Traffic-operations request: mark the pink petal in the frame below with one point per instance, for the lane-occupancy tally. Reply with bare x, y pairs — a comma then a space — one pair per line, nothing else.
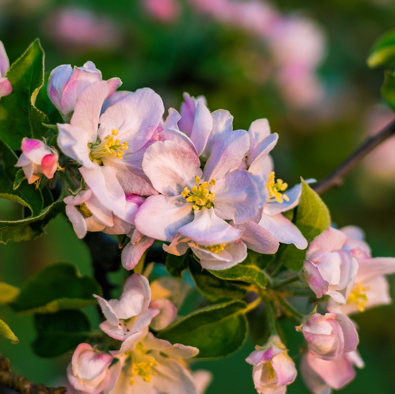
284, 369
49, 165
202, 126
139, 283
169, 214
57, 81
133, 252
328, 241
168, 312
178, 246
171, 167
5, 87
208, 229
315, 280
312, 380
77, 220
4, 62
369, 268
351, 339
259, 156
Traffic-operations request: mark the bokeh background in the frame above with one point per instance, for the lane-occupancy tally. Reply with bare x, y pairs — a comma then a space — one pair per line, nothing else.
301, 64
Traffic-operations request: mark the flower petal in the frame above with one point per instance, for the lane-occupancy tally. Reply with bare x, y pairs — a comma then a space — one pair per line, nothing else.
132, 252
284, 368
369, 268
49, 165
169, 213
283, 230
260, 154
5, 87
351, 339
208, 229
4, 62
77, 220
202, 126
328, 241
168, 312
171, 167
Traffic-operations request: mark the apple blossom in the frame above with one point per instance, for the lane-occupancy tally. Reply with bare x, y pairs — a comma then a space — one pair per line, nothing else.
321, 376
133, 119
88, 371
37, 159
370, 285
5, 84
329, 269
131, 313
329, 335
162, 10
275, 199
148, 365
185, 189
273, 369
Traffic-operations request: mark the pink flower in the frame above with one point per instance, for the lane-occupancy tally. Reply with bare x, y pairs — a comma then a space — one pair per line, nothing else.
150, 365
329, 269
329, 335
66, 85
275, 198
87, 213
88, 371
320, 376
131, 313
273, 369
37, 160
370, 285
111, 154
163, 10
5, 84
174, 171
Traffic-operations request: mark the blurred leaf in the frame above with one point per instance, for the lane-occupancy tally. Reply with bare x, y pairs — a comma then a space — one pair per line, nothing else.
30, 228
19, 177
383, 50
176, 264
312, 218
25, 195
388, 89
58, 333
8, 293
18, 116
211, 287
58, 286
248, 271
6, 331
216, 331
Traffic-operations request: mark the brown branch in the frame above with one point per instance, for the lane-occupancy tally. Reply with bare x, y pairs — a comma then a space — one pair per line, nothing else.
335, 179
21, 384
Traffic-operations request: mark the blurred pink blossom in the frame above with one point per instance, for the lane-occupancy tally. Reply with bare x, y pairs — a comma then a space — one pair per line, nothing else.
162, 10
81, 29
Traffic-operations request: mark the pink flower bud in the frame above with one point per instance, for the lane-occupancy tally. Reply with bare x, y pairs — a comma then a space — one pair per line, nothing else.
88, 371
5, 84
163, 10
328, 268
273, 369
329, 335
37, 159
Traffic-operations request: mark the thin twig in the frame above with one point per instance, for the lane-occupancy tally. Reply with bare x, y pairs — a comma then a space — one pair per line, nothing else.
336, 178
21, 384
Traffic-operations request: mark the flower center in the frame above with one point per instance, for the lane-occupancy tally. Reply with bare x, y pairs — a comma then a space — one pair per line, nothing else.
270, 369
358, 298
107, 148
216, 248
276, 189
200, 196
142, 364
86, 213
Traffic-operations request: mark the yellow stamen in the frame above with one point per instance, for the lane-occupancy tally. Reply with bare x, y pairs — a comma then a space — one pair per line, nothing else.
142, 364
270, 368
216, 248
357, 297
200, 195
107, 148
86, 213
276, 189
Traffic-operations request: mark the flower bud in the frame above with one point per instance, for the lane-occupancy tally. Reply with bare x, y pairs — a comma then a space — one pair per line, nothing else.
5, 84
37, 159
329, 335
272, 367
329, 269
88, 371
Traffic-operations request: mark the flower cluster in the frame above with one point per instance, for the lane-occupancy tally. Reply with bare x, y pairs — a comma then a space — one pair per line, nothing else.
143, 363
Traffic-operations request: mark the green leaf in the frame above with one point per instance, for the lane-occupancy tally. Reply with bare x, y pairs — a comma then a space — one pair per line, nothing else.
248, 271
312, 218
6, 331
30, 228
58, 333
25, 195
211, 287
176, 264
216, 331
19, 177
383, 50
8, 293
18, 116
388, 89
58, 286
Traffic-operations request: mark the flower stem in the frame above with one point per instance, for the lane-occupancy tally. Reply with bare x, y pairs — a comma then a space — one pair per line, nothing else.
271, 318
285, 282
289, 309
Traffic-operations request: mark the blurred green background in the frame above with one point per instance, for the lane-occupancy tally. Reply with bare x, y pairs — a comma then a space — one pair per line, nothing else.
236, 70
